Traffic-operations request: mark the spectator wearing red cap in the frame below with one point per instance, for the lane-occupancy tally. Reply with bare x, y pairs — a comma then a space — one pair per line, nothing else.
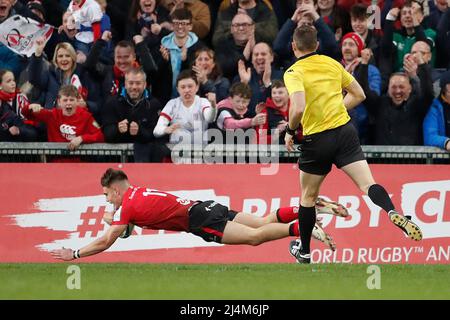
356, 61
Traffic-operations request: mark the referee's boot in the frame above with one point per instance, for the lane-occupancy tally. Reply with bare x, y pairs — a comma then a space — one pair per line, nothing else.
411, 229
295, 249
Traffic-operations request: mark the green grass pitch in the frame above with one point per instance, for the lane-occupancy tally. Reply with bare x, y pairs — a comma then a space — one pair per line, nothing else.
232, 281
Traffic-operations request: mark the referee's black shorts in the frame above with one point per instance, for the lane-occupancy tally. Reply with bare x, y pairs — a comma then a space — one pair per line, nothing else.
319, 151
208, 220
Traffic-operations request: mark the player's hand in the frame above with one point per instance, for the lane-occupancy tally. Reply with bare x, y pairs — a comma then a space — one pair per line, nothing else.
289, 142
123, 126
108, 217
134, 128
35, 107
62, 254
75, 143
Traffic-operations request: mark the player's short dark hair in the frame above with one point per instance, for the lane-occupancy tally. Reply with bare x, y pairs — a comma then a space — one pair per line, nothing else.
110, 176
181, 14
359, 11
241, 89
187, 74
305, 38
68, 90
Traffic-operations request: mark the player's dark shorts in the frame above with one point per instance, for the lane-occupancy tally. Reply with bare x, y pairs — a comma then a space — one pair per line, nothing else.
319, 151
208, 220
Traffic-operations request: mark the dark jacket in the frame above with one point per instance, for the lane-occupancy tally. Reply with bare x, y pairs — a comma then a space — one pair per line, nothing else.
443, 41
266, 25
153, 41
104, 73
401, 125
220, 87
145, 113
8, 119
228, 53
327, 41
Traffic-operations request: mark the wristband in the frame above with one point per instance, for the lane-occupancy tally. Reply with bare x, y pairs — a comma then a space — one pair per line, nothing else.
290, 131
76, 254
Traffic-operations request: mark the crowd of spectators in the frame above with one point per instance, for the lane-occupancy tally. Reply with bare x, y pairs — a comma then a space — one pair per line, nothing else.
152, 72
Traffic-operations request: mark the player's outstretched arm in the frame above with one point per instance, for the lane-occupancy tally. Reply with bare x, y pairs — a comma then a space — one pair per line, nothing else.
97, 246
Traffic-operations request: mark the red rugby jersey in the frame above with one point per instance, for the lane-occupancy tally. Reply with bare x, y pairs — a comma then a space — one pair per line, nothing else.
153, 209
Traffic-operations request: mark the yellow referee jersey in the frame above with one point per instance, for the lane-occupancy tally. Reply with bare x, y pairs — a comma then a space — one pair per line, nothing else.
322, 79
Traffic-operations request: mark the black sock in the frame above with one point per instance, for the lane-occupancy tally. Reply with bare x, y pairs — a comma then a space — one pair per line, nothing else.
380, 197
291, 230
307, 220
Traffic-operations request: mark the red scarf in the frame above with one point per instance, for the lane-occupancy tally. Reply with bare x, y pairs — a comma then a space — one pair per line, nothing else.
118, 77
5, 96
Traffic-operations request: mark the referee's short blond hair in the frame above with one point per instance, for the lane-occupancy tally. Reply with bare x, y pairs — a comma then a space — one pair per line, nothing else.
305, 38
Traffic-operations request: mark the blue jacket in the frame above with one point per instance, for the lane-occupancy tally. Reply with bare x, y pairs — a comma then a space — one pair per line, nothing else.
360, 115
434, 126
11, 61
175, 55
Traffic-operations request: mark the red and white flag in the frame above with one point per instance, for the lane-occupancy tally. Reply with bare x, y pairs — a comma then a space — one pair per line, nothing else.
20, 33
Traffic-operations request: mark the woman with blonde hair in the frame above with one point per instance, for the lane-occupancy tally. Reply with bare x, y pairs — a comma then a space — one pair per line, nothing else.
63, 70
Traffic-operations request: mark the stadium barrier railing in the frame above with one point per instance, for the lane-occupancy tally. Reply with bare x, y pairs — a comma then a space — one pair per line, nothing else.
106, 152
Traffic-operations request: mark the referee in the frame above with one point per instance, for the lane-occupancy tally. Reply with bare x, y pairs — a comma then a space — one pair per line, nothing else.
315, 84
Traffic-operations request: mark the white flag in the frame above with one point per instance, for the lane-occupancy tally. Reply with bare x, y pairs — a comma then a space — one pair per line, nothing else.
20, 33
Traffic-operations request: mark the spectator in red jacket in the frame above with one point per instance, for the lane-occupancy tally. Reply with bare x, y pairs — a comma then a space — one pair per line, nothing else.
68, 122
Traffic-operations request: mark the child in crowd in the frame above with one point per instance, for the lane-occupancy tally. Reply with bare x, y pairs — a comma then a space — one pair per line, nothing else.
13, 126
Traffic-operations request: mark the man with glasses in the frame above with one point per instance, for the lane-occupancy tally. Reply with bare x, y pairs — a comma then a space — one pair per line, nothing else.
266, 26
201, 15
178, 48
238, 45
